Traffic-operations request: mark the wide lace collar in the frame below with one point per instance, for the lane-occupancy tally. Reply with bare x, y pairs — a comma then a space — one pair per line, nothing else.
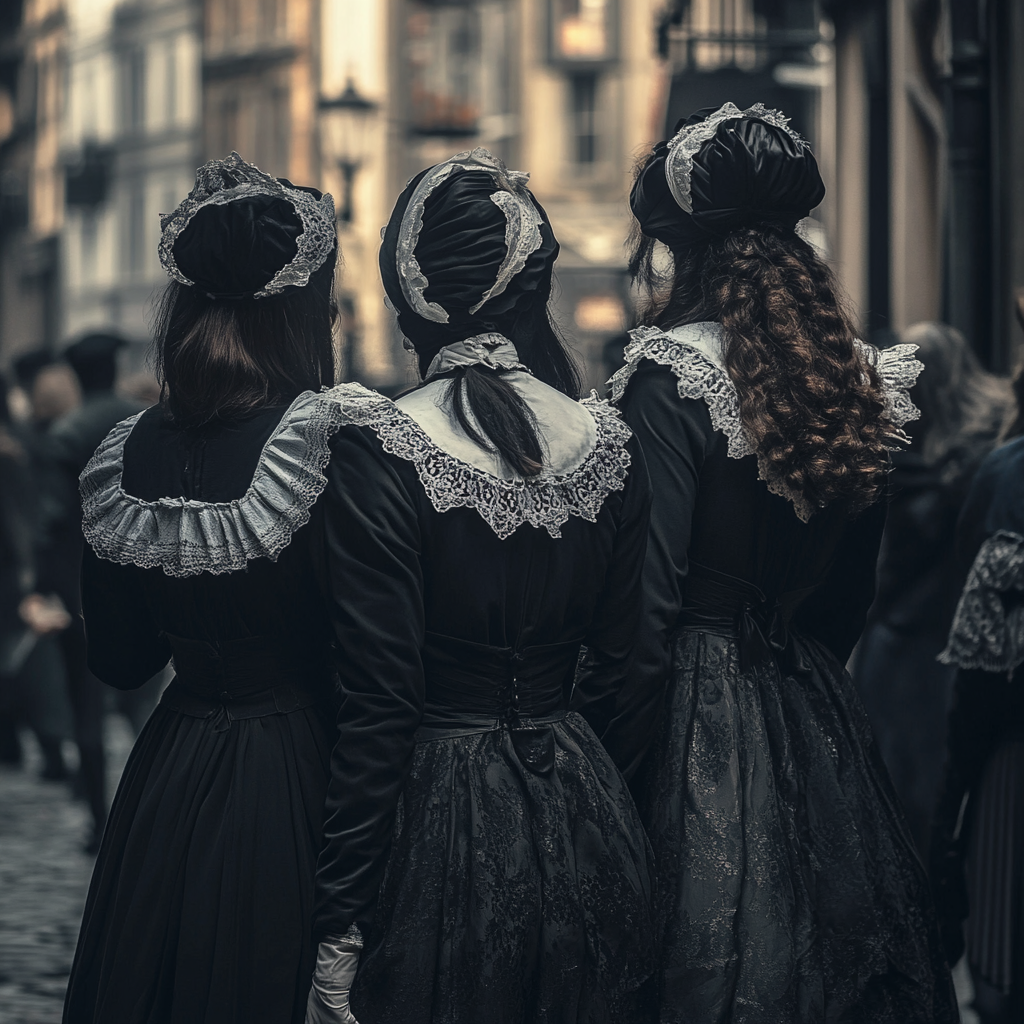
506, 501
695, 353
185, 537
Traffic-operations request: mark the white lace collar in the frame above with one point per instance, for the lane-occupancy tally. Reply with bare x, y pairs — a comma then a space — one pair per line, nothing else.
695, 353
573, 487
185, 537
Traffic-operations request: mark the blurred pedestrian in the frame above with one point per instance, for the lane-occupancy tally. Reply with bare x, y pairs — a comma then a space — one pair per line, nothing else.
70, 442
487, 526
31, 670
788, 885
977, 849
204, 524
906, 691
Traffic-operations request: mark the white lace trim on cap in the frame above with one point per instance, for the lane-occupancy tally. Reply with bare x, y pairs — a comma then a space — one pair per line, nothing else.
522, 229
506, 504
988, 630
695, 353
220, 182
686, 144
185, 537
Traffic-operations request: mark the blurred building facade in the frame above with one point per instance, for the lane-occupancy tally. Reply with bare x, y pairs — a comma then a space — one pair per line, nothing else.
33, 48
131, 143
107, 107
567, 89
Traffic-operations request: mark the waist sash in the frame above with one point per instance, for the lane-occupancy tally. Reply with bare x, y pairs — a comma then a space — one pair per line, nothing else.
249, 678
476, 688
715, 602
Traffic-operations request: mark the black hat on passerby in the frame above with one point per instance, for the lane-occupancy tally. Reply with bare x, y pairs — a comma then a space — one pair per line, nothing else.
94, 360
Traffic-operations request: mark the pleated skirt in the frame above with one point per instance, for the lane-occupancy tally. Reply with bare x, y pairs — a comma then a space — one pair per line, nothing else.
200, 902
789, 889
995, 872
512, 897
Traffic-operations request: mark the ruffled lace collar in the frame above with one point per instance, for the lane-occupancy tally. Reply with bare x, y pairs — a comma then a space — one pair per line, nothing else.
506, 503
695, 353
185, 537
988, 627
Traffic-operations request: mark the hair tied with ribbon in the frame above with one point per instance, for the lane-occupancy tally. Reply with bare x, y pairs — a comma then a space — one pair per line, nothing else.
492, 350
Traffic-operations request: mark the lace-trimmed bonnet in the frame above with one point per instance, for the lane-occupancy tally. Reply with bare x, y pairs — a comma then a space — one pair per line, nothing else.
242, 234
466, 244
724, 169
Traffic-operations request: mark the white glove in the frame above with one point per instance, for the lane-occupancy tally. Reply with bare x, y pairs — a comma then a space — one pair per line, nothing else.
336, 963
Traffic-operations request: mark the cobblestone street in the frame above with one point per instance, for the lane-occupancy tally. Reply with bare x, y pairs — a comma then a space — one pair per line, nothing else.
44, 875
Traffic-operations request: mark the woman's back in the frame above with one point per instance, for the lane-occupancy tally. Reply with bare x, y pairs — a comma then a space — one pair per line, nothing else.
216, 495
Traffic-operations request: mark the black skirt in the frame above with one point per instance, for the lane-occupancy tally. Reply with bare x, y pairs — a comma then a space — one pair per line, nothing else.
512, 896
789, 888
199, 907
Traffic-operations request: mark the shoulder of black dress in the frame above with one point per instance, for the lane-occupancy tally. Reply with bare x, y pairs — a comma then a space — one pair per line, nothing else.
184, 537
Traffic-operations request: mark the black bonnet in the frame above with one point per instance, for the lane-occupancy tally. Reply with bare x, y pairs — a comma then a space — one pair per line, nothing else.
748, 168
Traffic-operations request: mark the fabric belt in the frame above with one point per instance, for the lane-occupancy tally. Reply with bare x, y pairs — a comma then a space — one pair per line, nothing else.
715, 602
476, 688
231, 680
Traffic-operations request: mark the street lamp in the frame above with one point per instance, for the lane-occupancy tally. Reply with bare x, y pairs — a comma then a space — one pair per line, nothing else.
350, 135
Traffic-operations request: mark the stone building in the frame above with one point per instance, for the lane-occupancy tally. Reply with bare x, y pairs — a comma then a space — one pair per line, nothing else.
131, 143
33, 51
566, 89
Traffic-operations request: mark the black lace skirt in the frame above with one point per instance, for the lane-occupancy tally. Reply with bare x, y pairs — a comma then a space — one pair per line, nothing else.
200, 904
512, 897
789, 891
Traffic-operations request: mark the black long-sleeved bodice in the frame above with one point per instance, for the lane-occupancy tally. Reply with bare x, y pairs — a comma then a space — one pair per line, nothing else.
131, 611
788, 888
207, 545
503, 833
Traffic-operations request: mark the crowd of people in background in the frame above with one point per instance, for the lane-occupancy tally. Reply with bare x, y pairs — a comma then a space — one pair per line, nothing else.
948, 727
52, 416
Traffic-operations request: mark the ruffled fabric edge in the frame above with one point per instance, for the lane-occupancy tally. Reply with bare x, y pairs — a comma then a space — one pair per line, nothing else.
988, 630
546, 501
693, 354
184, 537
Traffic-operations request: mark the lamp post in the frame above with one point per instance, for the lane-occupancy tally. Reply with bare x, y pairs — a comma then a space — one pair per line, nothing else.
349, 129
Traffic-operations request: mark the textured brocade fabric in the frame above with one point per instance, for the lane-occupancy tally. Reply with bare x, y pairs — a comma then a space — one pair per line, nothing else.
497, 875
788, 888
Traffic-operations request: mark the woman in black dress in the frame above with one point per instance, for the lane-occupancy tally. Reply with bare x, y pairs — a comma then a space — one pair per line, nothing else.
487, 526
788, 886
977, 864
905, 689
204, 527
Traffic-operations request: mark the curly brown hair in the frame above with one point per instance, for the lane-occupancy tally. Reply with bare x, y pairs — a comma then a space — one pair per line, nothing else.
812, 405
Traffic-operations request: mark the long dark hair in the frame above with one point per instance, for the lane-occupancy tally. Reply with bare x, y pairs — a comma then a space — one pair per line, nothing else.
218, 358
482, 399
813, 407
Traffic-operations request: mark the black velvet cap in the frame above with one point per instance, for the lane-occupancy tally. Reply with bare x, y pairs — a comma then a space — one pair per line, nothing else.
748, 172
460, 250
233, 250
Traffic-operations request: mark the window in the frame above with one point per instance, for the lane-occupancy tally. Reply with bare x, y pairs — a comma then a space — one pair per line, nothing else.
135, 90
134, 253
584, 118
171, 81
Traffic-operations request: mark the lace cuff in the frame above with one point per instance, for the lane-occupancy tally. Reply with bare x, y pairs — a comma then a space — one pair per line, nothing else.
988, 628
546, 501
185, 538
